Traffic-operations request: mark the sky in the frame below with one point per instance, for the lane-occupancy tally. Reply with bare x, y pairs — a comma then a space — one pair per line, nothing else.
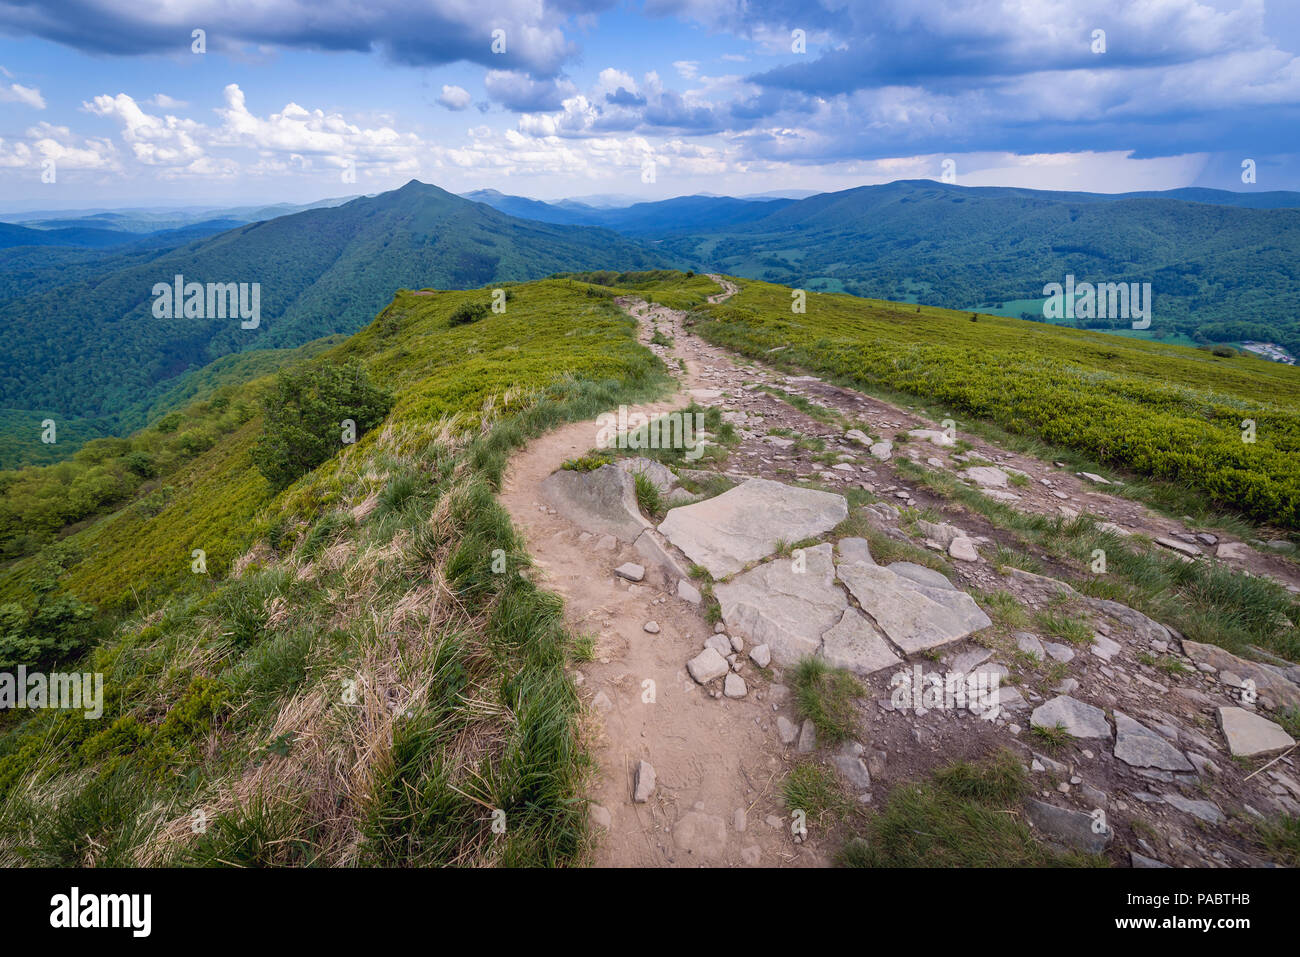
110, 104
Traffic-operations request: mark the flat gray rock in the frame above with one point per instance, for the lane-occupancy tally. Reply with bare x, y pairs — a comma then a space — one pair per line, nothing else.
933, 436
631, 571
786, 730
1251, 736
986, 476
1267, 682
786, 610
602, 501
921, 575
1007, 698
1058, 651
707, 665
1079, 719
1204, 810
734, 686
1239, 551
914, 617
1051, 586
1030, 644
1181, 547
848, 761
1103, 647
856, 644
1069, 828
967, 661
1141, 860
964, 550
1147, 629
745, 524
1140, 747
656, 472
643, 784
719, 643
854, 550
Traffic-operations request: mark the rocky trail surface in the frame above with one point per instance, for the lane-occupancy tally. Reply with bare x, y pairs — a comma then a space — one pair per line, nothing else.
1172, 752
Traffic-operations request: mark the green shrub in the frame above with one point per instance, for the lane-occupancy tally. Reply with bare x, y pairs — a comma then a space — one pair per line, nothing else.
141, 463
304, 414
468, 312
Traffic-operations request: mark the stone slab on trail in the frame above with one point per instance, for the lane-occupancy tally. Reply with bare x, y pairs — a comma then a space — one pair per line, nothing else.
659, 474
1267, 680
785, 609
986, 476
602, 501
856, 644
1079, 719
915, 617
1067, 827
1252, 736
745, 524
1140, 747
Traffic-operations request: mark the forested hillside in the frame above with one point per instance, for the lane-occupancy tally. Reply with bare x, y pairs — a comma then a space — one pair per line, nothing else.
80, 343
1219, 272
92, 348
650, 219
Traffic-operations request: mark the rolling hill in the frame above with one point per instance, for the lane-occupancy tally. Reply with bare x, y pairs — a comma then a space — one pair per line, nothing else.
375, 568
1219, 271
92, 348
13, 235
664, 217
81, 345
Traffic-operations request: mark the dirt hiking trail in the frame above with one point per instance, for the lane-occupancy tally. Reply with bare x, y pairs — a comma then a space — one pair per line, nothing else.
719, 762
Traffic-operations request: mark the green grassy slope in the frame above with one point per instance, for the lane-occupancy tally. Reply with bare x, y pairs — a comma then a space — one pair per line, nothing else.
1166, 412
350, 682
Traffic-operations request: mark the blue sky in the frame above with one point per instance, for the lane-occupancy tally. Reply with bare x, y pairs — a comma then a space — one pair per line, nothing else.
295, 100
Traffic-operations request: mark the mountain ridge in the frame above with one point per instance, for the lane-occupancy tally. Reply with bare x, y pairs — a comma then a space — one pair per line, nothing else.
321, 271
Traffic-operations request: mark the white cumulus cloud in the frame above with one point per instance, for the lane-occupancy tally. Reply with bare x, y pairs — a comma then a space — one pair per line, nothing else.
455, 97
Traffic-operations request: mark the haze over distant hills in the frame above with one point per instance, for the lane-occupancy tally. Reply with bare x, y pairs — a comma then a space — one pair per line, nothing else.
638, 219
143, 219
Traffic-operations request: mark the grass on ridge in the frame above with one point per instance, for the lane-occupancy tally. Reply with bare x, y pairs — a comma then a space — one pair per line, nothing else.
826, 695
369, 684
965, 815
